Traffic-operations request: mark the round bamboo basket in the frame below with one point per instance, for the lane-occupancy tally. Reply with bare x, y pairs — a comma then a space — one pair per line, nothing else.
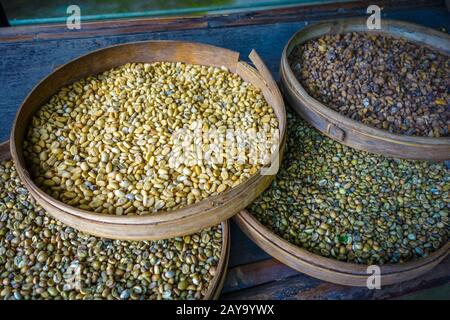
351, 132
216, 285
161, 225
331, 270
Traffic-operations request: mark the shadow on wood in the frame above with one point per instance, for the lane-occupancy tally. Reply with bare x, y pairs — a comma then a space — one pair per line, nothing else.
265, 285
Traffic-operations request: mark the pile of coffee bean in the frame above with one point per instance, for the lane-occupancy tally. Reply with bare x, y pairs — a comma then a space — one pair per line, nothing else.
352, 205
41, 258
105, 143
378, 80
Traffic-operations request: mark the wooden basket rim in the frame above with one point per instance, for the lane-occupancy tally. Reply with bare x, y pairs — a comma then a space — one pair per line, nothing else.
185, 213
328, 264
299, 91
215, 287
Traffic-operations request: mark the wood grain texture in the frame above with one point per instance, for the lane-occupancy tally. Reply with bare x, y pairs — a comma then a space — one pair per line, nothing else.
243, 250
255, 274
303, 287
162, 225
328, 269
351, 132
153, 24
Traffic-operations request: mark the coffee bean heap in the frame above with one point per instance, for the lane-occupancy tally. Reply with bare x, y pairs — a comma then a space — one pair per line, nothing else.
378, 80
355, 206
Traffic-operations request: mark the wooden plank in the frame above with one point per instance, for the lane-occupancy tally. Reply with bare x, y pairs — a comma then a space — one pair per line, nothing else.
98, 29
303, 287
243, 250
255, 274
132, 26
436, 293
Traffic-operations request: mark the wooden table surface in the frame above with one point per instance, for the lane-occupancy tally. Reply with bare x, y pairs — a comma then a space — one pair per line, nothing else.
30, 53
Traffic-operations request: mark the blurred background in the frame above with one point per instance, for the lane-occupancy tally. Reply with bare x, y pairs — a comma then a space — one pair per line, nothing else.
26, 12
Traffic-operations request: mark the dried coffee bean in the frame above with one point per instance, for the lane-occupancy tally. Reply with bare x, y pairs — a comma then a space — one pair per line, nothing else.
381, 81
355, 206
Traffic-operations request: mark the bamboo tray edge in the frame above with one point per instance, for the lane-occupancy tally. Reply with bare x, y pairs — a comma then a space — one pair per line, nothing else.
351, 132
328, 269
